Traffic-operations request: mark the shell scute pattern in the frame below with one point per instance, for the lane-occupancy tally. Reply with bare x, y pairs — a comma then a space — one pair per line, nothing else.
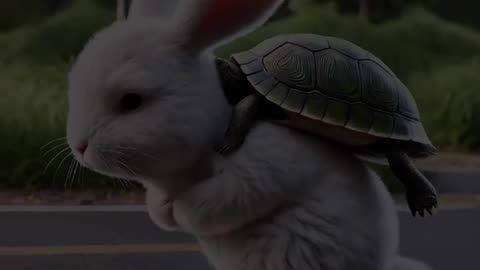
348, 48
334, 81
278, 94
292, 65
337, 75
379, 88
315, 106
382, 125
356, 52
295, 100
336, 113
361, 118
407, 105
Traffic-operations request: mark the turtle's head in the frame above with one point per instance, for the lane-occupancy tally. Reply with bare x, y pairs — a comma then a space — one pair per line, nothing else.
144, 96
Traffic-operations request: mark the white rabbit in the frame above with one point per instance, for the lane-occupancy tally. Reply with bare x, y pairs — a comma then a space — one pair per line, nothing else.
145, 103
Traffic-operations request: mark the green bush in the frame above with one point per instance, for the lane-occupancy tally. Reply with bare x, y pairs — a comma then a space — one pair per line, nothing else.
21, 12
284, 11
59, 38
460, 11
449, 100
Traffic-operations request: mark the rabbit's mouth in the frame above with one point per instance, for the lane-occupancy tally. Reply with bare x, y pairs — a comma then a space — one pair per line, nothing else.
108, 161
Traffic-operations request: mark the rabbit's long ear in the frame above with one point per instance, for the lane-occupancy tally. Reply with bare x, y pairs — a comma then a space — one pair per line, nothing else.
158, 9
206, 23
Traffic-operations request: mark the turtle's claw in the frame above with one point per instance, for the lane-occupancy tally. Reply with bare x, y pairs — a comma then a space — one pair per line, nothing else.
223, 149
420, 202
230, 144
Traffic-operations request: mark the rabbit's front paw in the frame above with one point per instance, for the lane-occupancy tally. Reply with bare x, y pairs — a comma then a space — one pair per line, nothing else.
160, 210
187, 216
162, 216
197, 216
206, 209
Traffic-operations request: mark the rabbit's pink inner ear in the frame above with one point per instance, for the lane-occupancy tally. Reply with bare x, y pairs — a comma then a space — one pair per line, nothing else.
222, 19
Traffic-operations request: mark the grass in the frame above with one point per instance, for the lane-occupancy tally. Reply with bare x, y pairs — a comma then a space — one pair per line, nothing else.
432, 56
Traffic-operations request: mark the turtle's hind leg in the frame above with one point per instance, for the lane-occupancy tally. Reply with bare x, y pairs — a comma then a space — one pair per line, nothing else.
244, 115
421, 194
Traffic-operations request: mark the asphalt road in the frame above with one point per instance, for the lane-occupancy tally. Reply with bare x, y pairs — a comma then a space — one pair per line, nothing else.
129, 241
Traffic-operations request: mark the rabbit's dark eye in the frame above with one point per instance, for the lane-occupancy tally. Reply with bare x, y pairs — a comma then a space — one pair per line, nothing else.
131, 102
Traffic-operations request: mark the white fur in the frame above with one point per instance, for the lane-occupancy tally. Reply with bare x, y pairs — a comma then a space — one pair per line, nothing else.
288, 201
283, 201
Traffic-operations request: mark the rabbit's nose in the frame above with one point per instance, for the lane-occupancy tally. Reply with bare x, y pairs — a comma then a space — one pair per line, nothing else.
82, 148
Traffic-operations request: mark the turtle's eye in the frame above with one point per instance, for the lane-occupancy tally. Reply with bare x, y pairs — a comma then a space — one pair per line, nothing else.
131, 102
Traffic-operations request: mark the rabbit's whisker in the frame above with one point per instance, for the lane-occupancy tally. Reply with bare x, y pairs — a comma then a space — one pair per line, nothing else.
63, 144
137, 152
54, 141
69, 172
75, 172
55, 157
106, 164
120, 161
60, 165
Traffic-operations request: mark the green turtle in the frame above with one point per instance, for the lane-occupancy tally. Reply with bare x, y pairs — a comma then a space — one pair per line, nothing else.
330, 87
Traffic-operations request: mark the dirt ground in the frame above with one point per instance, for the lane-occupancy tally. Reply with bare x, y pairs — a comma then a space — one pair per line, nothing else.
91, 197
447, 160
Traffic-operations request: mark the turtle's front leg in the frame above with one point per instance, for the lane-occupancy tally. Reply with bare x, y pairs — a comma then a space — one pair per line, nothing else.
245, 113
421, 194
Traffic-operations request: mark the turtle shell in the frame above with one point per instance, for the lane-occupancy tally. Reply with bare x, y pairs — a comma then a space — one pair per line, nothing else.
336, 82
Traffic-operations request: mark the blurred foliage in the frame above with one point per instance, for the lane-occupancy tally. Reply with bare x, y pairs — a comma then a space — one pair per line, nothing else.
21, 12
284, 11
461, 11
60, 37
450, 102
24, 12
379, 10
433, 57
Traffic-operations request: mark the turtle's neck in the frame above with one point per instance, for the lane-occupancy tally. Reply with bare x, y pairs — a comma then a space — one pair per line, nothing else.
233, 81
